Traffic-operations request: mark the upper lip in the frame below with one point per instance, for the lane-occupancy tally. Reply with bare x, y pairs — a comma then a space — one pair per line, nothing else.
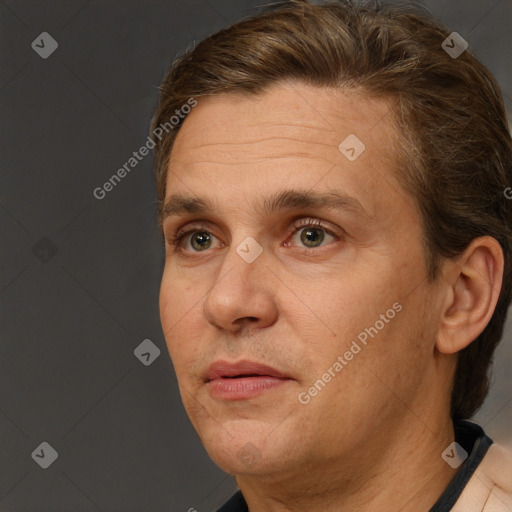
222, 368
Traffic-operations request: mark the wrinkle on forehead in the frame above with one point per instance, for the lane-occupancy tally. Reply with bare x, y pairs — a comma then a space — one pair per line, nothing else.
257, 151
278, 124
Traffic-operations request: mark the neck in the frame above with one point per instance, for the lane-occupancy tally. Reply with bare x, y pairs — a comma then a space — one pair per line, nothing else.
400, 469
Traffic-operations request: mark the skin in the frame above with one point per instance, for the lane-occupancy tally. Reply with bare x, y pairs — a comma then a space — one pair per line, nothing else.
372, 438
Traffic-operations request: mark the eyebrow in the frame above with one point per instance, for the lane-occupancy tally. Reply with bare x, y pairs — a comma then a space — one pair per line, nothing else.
179, 205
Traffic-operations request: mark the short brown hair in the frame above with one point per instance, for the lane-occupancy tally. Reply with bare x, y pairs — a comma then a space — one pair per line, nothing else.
456, 153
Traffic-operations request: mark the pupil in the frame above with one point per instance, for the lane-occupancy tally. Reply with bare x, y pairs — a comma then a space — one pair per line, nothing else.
312, 235
200, 237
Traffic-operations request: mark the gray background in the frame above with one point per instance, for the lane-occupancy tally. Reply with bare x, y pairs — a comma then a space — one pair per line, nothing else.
80, 276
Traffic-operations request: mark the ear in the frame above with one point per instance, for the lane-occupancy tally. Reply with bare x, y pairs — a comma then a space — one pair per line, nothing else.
472, 284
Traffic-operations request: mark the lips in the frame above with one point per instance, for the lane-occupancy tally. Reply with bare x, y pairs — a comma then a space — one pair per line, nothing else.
243, 380
245, 368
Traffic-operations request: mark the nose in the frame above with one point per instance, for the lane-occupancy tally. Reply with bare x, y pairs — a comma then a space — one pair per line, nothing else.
242, 296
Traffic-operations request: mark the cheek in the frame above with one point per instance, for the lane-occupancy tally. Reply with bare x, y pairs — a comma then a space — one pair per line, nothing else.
352, 308
178, 298
169, 305
394, 361
172, 315
351, 303
182, 321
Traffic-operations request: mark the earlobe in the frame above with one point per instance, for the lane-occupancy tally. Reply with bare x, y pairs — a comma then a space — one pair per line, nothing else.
472, 284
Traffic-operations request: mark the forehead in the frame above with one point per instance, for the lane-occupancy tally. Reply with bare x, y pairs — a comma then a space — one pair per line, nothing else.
287, 114
293, 134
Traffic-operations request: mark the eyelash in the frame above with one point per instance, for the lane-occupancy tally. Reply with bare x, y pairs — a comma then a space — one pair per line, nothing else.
176, 239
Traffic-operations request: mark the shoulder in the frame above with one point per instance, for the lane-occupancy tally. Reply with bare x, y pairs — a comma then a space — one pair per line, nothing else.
490, 487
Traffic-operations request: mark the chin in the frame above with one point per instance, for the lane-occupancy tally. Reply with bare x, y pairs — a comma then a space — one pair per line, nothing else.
243, 448
248, 460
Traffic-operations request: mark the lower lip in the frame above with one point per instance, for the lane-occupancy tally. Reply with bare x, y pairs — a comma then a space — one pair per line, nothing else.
243, 387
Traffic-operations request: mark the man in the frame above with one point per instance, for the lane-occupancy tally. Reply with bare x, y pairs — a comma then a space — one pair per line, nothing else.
338, 258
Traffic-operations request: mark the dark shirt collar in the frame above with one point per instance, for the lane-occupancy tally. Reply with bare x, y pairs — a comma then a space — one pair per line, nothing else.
469, 435
476, 443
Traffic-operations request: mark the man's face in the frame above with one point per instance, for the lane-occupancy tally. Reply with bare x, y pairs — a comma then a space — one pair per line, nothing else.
326, 281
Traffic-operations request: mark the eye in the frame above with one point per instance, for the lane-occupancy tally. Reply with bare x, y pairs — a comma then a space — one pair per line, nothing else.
199, 240
311, 233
